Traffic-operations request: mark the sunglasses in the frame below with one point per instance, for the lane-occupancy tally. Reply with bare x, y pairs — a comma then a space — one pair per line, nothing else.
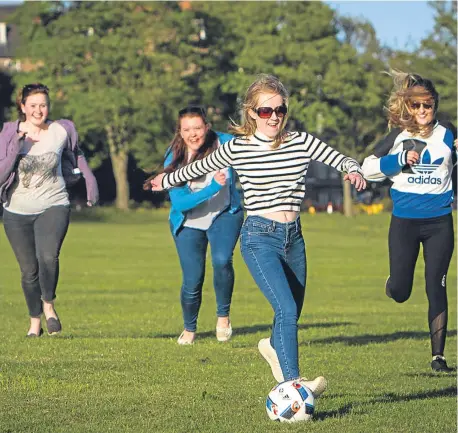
417, 105
40, 87
266, 112
192, 109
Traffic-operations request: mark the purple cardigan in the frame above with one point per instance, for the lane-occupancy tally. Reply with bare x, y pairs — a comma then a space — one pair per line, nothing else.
10, 146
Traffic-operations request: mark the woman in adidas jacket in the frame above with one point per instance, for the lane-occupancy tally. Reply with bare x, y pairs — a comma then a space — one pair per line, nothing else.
418, 156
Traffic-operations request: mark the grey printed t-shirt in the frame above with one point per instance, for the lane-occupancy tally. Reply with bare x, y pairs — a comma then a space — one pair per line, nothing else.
39, 183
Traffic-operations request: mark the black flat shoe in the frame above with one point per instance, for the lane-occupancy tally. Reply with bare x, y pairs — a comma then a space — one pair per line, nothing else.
35, 335
54, 326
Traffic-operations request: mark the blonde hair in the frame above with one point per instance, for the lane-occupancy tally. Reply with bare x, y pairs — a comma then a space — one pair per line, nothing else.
263, 84
407, 87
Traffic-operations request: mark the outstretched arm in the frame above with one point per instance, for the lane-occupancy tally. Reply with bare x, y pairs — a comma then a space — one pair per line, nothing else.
217, 160
183, 199
320, 151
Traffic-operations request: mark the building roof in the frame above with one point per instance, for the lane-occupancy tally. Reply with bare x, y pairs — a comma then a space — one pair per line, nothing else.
12, 32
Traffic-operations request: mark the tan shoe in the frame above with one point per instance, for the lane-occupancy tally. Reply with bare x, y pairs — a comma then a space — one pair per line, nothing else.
224, 334
269, 354
183, 342
317, 386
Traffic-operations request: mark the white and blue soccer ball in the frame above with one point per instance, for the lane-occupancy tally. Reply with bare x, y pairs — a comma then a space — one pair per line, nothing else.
290, 401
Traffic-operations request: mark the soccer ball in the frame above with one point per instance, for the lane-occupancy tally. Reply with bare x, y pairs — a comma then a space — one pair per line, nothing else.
290, 401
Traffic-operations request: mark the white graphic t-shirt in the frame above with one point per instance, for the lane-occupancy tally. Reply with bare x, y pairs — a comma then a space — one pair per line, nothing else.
39, 183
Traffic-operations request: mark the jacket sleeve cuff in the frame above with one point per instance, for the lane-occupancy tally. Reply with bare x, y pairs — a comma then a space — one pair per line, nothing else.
402, 158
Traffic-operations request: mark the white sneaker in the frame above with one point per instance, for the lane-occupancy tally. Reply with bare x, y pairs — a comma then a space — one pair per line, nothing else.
224, 334
317, 386
269, 354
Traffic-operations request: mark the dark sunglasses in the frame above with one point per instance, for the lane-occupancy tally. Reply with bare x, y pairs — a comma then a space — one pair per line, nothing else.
29, 87
266, 112
192, 109
417, 105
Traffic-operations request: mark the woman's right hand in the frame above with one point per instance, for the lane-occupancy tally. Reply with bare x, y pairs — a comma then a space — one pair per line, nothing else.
220, 177
412, 157
156, 182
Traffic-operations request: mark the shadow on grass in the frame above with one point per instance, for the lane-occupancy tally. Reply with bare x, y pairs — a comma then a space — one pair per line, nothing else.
344, 410
244, 330
394, 398
361, 340
387, 398
437, 375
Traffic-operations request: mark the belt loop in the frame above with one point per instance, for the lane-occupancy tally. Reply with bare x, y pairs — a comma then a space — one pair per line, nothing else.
297, 224
273, 226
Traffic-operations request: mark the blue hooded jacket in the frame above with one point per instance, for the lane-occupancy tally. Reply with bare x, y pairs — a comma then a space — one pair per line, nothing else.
184, 199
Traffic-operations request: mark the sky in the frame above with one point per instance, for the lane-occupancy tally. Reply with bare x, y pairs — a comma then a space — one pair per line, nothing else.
398, 24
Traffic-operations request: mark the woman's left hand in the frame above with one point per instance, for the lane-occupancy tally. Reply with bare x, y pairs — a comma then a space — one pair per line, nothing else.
357, 180
156, 183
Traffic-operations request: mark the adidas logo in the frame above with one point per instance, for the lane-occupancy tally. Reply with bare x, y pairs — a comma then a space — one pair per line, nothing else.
425, 166
425, 180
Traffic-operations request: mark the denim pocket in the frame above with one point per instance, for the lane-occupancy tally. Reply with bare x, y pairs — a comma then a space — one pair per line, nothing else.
258, 228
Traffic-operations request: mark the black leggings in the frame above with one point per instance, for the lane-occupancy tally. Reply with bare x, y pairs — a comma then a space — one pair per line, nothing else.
436, 235
36, 241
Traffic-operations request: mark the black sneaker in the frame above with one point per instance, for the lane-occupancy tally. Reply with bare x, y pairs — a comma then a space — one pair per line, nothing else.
387, 289
440, 365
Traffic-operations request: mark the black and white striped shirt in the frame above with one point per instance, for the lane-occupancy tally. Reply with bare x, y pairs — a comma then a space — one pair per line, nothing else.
272, 179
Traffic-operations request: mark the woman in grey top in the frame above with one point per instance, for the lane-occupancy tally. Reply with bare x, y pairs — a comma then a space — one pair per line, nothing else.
39, 159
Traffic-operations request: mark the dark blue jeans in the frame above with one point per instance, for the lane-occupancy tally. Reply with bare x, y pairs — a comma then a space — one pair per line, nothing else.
275, 255
36, 241
191, 246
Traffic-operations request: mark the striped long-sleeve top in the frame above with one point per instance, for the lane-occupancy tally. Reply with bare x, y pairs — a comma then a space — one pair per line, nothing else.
272, 179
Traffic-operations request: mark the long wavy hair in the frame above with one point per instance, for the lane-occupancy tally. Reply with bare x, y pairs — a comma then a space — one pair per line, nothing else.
178, 148
263, 84
408, 87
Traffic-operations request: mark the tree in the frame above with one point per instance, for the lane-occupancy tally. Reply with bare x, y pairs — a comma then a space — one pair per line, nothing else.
436, 58
337, 89
116, 69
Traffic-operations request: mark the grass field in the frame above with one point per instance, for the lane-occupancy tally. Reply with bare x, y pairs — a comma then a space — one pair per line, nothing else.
117, 367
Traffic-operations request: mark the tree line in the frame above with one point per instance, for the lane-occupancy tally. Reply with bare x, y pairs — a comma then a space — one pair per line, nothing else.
122, 70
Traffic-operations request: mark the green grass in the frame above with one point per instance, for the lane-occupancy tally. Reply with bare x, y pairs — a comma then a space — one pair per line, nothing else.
117, 367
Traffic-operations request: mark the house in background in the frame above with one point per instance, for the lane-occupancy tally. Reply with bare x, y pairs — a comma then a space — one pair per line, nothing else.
9, 40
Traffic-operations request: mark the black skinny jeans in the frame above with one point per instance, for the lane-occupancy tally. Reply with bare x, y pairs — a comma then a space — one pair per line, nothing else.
36, 241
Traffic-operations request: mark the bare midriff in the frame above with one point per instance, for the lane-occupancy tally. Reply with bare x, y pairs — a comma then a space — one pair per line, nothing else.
282, 216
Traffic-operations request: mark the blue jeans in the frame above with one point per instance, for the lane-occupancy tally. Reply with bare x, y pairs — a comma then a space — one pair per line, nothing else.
191, 246
275, 255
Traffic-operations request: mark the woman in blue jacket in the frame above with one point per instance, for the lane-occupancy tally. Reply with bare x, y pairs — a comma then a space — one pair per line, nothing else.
205, 210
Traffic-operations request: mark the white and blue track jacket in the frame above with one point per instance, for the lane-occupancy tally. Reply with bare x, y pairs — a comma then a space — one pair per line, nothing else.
423, 190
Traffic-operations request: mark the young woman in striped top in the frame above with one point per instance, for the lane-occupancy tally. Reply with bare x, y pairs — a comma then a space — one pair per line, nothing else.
271, 164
